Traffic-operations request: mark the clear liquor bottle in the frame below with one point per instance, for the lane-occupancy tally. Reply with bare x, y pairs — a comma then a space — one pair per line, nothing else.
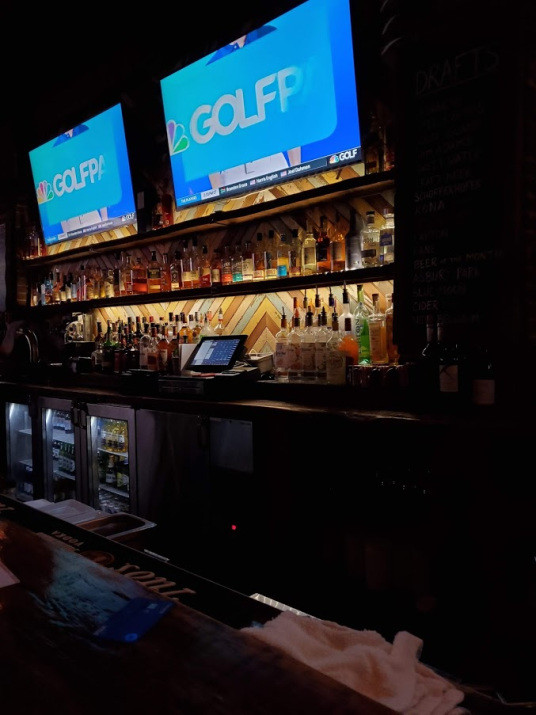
321, 339
236, 262
282, 256
307, 348
378, 337
345, 311
260, 264
294, 350
194, 260
248, 262
308, 259
370, 242
387, 240
335, 358
271, 255
226, 267
220, 328
145, 342
361, 327
187, 278
323, 248
281, 354
294, 254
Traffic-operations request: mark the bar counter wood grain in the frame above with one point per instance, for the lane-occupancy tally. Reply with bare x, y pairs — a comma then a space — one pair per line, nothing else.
188, 663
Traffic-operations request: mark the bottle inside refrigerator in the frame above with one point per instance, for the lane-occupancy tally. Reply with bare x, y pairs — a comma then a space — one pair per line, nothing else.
110, 463
19, 481
60, 455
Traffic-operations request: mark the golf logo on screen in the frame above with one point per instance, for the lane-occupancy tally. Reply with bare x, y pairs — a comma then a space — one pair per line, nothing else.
229, 111
72, 179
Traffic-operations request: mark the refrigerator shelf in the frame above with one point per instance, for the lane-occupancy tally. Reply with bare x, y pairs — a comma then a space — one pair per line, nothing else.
58, 474
114, 490
62, 437
111, 451
26, 462
24, 431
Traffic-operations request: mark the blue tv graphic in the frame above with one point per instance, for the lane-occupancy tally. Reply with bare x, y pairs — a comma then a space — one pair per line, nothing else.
82, 179
280, 100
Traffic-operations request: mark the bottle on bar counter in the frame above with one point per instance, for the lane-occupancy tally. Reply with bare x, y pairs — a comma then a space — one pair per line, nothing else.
361, 327
248, 262
260, 259
294, 350
205, 269
335, 357
176, 271
226, 266
308, 258
139, 276
281, 353
370, 242
387, 239
165, 277
154, 274
307, 348
236, 262
282, 256
215, 268
338, 247
294, 254
271, 255
353, 242
378, 337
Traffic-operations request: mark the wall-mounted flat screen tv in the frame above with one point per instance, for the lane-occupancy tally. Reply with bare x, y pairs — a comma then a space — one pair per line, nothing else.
82, 179
277, 103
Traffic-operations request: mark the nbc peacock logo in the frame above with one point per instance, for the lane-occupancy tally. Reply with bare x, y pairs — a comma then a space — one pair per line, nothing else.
177, 139
44, 192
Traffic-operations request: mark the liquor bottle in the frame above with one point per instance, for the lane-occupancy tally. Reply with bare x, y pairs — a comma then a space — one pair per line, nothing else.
361, 327
353, 242
206, 328
145, 342
294, 254
153, 352
308, 259
373, 145
108, 348
35, 293
163, 351
220, 328
307, 348
281, 350
195, 260
226, 267
271, 255
452, 368
139, 276
97, 354
392, 349
348, 344
127, 287
345, 311
482, 376
236, 263
248, 262
318, 304
119, 357
294, 350
63, 289
187, 278
282, 256
260, 256
387, 239
370, 242
193, 329
205, 269
215, 268
154, 274
378, 338
175, 271
322, 336
323, 248
56, 288
118, 264
165, 278
132, 355
335, 358
338, 247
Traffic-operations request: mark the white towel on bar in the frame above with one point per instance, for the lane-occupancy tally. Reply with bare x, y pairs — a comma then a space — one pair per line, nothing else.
364, 661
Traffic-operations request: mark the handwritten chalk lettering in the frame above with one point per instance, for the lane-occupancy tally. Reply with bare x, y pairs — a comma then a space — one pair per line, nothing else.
425, 250
452, 71
432, 234
465, 272
424, 291
463, 187
421, 263
456, 289
431, 276
425, 305
429, 208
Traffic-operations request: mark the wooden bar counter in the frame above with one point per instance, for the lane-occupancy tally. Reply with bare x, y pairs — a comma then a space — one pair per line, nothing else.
51, 661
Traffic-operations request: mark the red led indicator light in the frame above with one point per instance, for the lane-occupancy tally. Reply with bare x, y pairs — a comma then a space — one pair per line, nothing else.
233, 527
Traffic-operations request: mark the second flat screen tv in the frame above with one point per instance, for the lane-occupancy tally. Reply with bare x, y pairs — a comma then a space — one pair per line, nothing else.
82, 179
276, 104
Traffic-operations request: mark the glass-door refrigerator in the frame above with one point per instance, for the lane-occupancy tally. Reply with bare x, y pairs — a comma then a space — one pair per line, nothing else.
111, 457
63, 476
20, 469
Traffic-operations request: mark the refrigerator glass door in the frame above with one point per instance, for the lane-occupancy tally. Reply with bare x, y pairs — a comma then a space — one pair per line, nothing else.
20, 479
110, 460
60, 457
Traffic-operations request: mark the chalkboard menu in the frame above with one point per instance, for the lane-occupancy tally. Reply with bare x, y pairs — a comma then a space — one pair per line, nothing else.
453, 185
